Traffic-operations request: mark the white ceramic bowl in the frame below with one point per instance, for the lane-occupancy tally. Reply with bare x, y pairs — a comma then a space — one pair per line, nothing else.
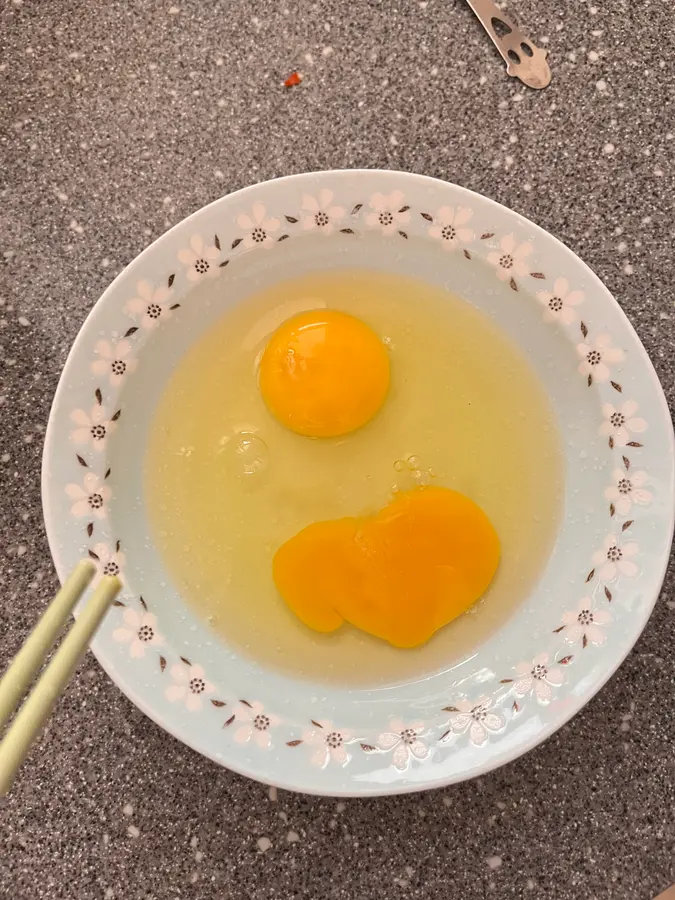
568, 635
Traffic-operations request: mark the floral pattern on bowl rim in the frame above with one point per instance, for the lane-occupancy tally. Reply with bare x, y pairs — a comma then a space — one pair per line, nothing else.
550, 677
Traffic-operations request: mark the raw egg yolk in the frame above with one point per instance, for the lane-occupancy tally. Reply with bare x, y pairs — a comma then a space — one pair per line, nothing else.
400, 574
324, 373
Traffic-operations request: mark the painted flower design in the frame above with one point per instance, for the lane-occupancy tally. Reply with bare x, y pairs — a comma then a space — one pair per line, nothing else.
585, 624
477, 719
509, 260
449, 226
388, 212
320, 213
626, 489
537, 676
113, 361
404, 741
259, 227
621, 423
90, 498
560, 303
255, 724
189, 686
614, 559
140, 631
150, 306
108, 561
598, 356
92, 428
200, 259
330, 744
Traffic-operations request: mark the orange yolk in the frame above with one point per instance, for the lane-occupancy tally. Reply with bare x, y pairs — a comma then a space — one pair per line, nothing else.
324, 373
400, 574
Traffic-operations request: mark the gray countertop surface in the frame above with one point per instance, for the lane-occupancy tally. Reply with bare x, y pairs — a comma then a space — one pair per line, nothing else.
119, 118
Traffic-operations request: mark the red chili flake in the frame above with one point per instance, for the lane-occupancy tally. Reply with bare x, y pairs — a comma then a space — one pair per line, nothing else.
293, 80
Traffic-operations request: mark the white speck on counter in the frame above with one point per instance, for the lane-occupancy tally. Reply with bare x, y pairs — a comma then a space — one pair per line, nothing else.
23, 321
622, 246
109, 893
194, 840
530, 884
601, 85
199, 856
174, 10
292, 837
327, 51
494, 862
593, 56
628, 269
273, 793
341, 807
194, 876
658, 171
133, 831
608, 149
264, 844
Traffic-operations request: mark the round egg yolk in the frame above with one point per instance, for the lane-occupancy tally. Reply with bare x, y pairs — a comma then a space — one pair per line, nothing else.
400, 574
324, 373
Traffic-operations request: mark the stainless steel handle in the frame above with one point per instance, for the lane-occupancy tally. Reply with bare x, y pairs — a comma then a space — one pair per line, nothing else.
524, 60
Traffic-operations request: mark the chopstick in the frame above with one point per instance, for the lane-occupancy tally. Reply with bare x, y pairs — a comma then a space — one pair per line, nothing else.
37, 707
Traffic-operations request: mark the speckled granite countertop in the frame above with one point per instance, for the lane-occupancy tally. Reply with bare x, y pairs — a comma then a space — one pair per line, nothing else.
120, 118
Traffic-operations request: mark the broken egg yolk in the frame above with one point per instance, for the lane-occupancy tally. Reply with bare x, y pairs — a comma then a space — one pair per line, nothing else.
324, 373
400, 574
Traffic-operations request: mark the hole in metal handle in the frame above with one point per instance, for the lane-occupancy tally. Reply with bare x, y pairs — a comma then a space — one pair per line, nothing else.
501, 29
527, 50
513, 56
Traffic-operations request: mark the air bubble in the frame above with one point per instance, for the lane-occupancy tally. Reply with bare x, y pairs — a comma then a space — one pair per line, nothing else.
246, 453
399, 465
414, 462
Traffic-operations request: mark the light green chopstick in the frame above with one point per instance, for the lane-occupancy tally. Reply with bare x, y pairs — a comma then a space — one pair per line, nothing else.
37, 707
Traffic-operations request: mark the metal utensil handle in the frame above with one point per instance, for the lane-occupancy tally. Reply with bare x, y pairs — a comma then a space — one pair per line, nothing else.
524, 60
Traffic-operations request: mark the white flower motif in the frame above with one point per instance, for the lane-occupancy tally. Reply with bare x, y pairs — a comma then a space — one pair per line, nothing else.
320, 213
620, 424
614, 560
560, 302
448, 227
627, 489
539, 676
388, 212
150, 305
90, 497
476, 717
585, 623
404, 741
330, 744
200, 260
141, 631
256, 724
189, 685
259, 227
510, 258
93, 428
113, 360
598, 356
108, 561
